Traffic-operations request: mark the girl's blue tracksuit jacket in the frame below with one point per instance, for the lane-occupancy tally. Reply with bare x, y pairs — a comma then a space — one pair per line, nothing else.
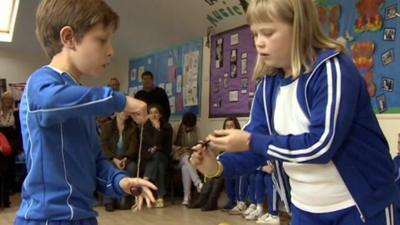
343, 129
63, 156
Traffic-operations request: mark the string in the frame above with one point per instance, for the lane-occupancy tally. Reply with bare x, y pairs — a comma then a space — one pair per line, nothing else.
135, 207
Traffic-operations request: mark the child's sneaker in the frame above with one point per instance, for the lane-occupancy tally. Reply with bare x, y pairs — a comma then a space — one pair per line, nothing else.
160, 203
268, 219
238, 209
185, 201
255, 214
249, 209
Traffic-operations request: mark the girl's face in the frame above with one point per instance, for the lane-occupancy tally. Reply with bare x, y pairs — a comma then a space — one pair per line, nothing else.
154, 114
229, 124
273, 42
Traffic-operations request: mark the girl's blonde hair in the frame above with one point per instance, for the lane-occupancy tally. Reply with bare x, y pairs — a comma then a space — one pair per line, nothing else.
307, 34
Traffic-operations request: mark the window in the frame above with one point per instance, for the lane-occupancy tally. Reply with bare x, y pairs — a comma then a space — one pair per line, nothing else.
8, 13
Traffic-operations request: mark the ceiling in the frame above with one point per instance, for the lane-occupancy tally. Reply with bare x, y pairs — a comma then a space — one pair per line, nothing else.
145, 25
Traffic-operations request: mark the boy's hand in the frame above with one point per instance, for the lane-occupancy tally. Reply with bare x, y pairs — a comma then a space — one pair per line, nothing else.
127, 183
137, 109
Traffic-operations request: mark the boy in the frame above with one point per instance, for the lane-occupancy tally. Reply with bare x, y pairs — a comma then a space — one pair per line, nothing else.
64, 160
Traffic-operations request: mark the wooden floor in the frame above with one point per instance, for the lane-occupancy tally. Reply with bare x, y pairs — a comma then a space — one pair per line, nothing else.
170, 215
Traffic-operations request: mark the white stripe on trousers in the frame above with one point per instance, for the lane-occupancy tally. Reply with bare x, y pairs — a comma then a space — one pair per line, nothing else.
389, 214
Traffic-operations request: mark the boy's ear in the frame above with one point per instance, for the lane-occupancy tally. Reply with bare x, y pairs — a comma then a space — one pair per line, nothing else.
67, 37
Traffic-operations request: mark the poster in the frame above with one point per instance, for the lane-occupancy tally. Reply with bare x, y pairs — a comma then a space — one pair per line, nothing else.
190, 76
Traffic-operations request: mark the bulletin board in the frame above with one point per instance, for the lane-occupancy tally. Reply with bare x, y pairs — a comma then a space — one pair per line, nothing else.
370, 29
233, 57
177, 70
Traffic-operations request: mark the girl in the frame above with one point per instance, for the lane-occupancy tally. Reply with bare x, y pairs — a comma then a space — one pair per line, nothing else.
312, 112
236, 188
157, 144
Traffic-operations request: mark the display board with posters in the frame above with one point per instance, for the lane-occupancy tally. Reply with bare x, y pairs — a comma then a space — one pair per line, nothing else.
233, 56
177, 70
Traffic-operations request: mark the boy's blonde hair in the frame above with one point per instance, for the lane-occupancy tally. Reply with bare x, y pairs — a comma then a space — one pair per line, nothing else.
80, 15
307, 34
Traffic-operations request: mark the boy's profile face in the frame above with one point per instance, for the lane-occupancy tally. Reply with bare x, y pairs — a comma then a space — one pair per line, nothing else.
92, 54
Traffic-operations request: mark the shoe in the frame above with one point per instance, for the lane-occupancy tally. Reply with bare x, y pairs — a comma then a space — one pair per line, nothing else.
268, 219
217, 186
210, 205
201, 199
249, 209
198, 202
238, 209
199, 187
228, 207
124, 203
185, 201
255, 214
160, 203
110, 207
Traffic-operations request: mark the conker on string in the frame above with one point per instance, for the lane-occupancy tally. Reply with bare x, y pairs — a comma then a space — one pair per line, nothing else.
136, 191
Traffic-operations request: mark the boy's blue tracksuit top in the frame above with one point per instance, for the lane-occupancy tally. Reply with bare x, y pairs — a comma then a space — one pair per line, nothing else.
63, 156
343, 129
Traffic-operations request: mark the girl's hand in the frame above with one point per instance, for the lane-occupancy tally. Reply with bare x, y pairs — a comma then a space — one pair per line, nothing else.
230, 140
127, 183
203, 160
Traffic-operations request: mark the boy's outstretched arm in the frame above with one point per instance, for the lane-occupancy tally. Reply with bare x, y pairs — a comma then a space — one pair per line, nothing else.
55, 101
